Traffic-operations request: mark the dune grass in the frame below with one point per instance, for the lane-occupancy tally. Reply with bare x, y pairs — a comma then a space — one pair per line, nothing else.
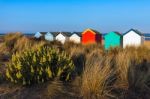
95, 81
117, 73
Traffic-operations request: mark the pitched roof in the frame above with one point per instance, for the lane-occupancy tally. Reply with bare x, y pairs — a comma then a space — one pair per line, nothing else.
136, 31
78, 33
118, 33
43, 33
96, 31
114, 32
67, 34
55, 33
92, 30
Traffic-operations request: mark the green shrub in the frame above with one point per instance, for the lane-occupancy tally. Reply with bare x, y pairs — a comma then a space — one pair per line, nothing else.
37, 66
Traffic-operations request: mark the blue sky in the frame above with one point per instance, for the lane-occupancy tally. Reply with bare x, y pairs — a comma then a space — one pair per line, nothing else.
74, 15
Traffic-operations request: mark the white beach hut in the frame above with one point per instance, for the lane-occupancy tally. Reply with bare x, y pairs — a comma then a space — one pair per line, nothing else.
63, 37
133, 38
75, 37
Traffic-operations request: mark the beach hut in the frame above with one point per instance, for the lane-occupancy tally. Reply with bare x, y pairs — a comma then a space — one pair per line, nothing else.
49, 36
113, 39
90, 36
63, 37
132, 38
75, 37
37, 35
40, 35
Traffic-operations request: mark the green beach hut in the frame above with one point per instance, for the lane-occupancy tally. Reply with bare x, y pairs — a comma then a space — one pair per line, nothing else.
112, 39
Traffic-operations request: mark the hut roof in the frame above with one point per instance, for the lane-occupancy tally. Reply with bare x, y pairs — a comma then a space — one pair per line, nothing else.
136, 31
114, 32
78, 33
118, 33
55, 33
95, 31
43, 33
68, 34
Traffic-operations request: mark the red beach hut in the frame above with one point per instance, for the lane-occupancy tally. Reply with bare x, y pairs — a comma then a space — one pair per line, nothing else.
90, 36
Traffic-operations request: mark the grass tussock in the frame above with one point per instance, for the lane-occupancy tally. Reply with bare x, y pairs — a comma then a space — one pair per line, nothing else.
96, 77
123, 61
11, 39
94, 82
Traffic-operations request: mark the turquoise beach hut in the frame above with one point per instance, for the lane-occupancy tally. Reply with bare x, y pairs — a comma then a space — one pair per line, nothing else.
112, 39
49, 36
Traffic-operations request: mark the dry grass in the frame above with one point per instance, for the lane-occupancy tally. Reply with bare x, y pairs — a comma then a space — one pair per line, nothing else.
102, 74
95, 78
94, 83
127, 65
123, 61
7, 46
3, 49
53, 89
22, 44
147, 43
10, 39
